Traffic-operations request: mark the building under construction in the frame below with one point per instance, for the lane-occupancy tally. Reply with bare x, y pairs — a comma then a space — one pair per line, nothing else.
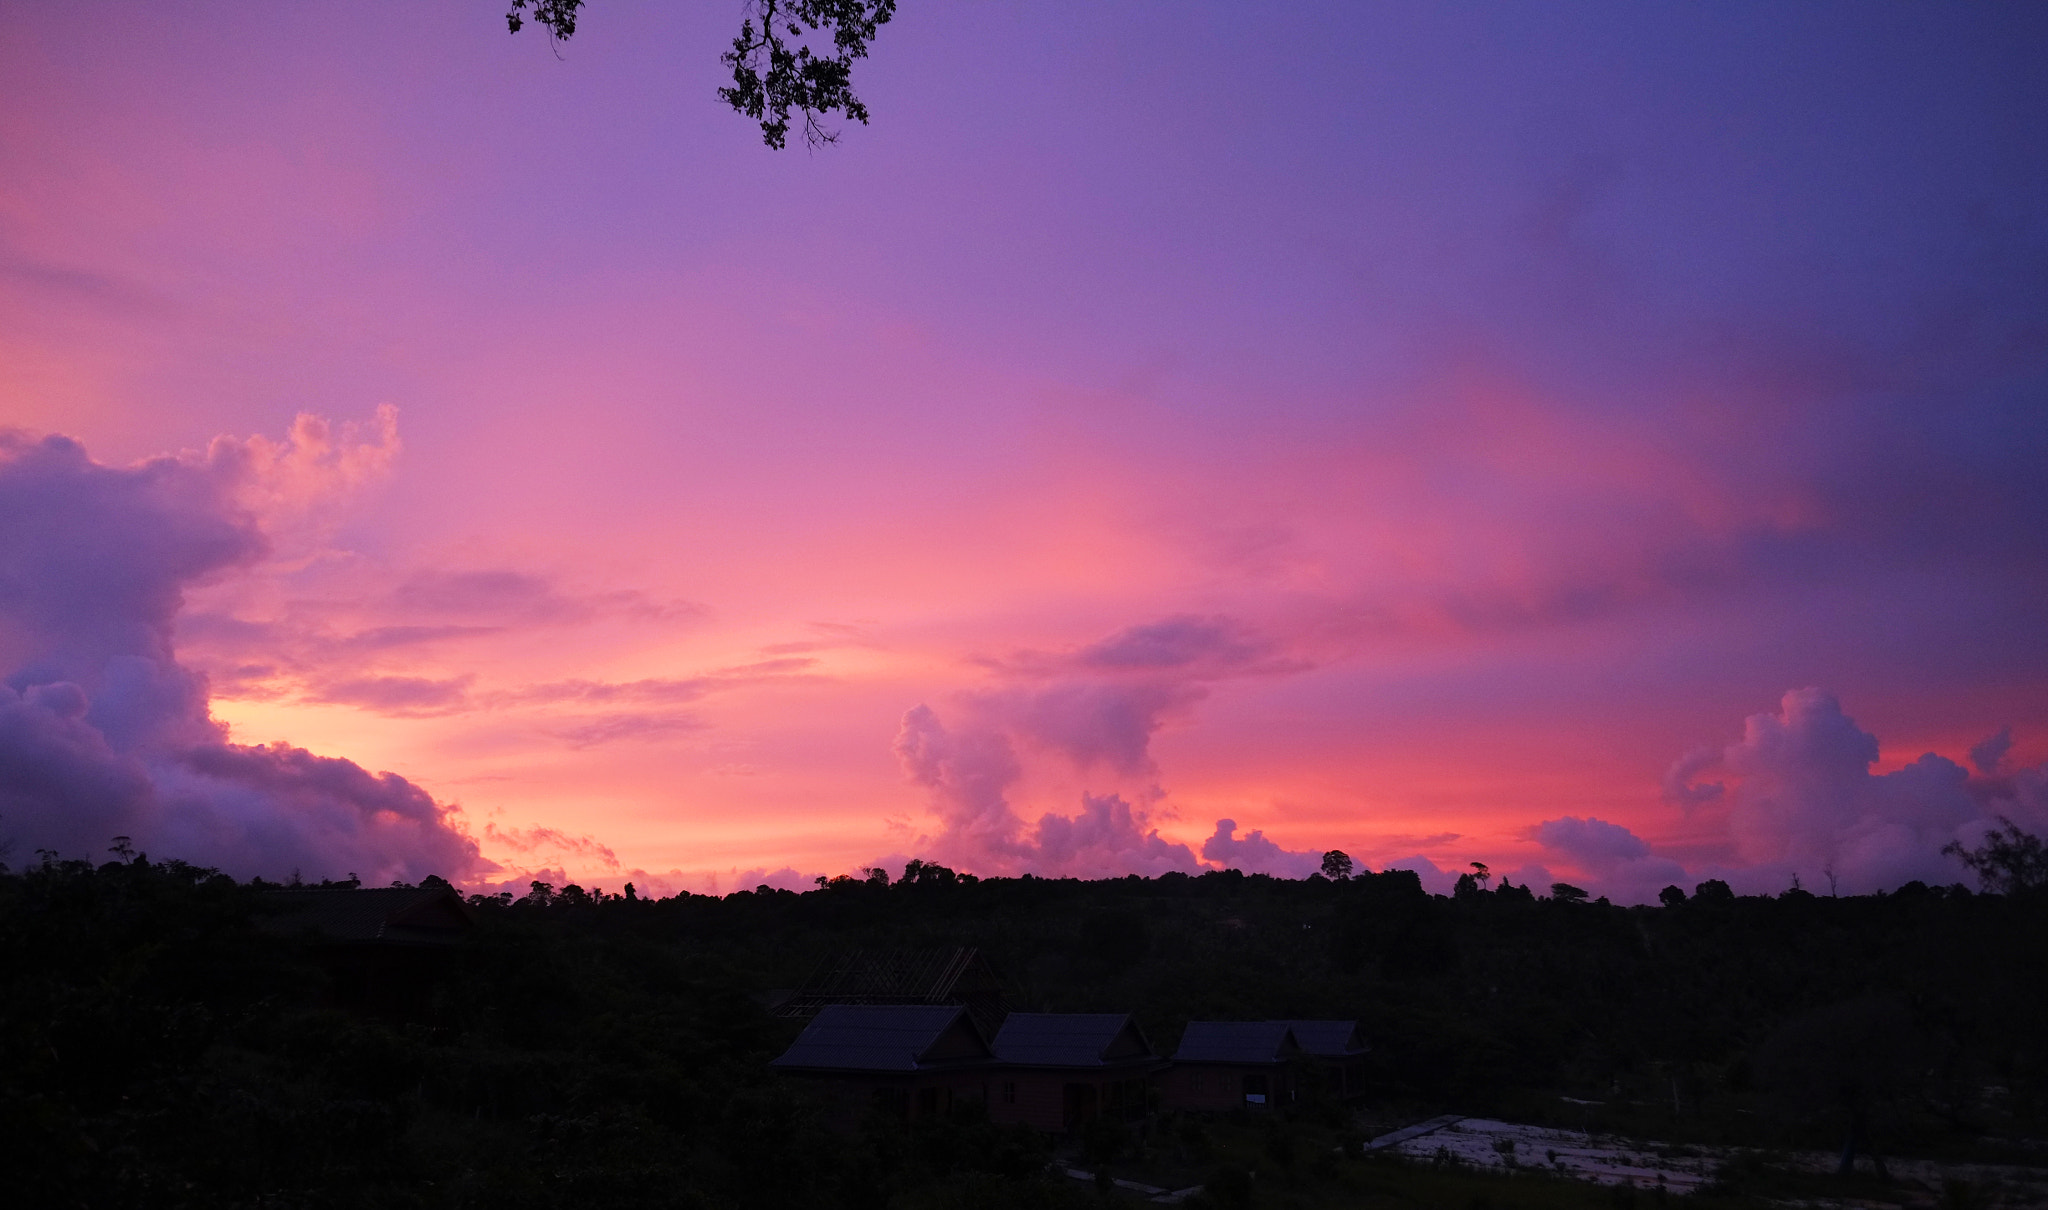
955, 976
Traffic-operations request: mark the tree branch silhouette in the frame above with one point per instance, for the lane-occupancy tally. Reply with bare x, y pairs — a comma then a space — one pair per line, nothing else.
791, 57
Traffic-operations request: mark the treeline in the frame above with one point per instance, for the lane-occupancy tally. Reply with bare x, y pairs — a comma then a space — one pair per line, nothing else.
1474, 999
159, 1045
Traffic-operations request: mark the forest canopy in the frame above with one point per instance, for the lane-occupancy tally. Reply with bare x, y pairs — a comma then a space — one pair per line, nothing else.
159, 1031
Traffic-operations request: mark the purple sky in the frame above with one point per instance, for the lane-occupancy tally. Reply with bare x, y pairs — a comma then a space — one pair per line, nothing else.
1444, 432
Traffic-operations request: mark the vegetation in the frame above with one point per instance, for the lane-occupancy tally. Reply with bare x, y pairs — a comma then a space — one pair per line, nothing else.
2009, 862
160, 1046
775, 68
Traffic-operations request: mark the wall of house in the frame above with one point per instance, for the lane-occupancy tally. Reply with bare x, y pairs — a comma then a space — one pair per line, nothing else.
849, 1098
1040, 1098
1029, 1098
1215, 1087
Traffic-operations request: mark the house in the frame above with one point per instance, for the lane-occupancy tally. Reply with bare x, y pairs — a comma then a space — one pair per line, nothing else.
1333, 1057
1232, 1065
1057, 1071
959, 975
383, 950
909, 1060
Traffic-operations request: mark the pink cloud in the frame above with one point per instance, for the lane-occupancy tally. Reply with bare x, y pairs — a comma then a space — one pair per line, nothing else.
1804, 799
403, 696
1989, 753
1617, 862
103, 732
969, 775
1255, 854
1093, 709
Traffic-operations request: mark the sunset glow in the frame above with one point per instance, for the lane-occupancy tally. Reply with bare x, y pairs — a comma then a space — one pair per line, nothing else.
1603, 442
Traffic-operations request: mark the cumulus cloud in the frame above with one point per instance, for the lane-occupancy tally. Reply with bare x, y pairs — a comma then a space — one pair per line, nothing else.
1680, 788
1095, 709
714, 882
969, 774
1796, 798
1099, 705
1107, 724
1255, 854
1615, 860
103, 732
1591, 840
287, 481
1988, 754
1107, 837
1803, 799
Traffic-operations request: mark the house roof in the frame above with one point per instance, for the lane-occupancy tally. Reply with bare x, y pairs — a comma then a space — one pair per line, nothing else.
886, 1037
1328, 1039
1236, 1042
1071, 1040
391, 915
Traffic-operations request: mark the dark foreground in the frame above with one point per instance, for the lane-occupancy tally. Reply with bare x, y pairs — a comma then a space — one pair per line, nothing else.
164, 1043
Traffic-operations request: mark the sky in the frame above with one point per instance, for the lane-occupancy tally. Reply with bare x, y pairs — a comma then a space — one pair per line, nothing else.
1604, 441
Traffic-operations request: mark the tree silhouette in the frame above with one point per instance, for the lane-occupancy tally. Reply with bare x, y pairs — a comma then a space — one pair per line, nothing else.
1713, 890
2009, 862
558, 17
614, 1051
775, 68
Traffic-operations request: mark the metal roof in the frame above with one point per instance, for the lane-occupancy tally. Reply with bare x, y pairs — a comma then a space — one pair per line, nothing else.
1071, 1040
1329, 1039
1236, 1042
886, 1037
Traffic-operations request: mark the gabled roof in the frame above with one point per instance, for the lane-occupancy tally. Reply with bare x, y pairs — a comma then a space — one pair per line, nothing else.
1327, 1039
886, 1037
402, 915
1236, 1042
1071, 1040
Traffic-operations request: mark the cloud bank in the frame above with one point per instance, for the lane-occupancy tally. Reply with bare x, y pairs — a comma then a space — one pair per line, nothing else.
969, 774
1094, 709
1615, 860
1796, 797
103, 733
1255, 854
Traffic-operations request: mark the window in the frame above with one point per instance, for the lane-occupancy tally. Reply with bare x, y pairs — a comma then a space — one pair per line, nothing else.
1009, 1092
